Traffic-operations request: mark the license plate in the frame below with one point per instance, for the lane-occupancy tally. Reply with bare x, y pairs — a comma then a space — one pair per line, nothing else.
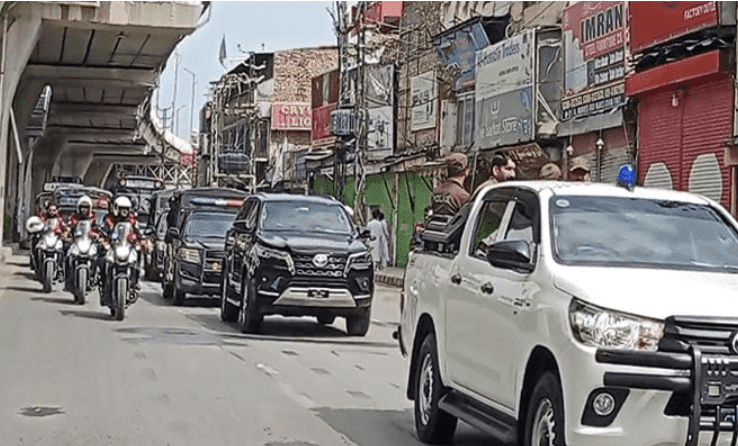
321, 294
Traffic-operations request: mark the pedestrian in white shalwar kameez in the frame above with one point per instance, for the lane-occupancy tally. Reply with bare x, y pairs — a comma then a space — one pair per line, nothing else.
377, 239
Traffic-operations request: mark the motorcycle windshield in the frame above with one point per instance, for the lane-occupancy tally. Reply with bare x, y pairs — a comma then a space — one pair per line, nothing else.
82, 229
51, 223
121, 231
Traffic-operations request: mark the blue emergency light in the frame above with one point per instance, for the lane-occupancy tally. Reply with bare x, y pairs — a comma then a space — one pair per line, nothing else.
626, 176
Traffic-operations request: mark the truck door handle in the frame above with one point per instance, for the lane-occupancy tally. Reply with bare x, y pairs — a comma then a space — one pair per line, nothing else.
488, 288
456, 278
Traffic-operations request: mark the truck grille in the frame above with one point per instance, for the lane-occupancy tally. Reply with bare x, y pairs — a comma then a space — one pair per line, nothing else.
712, 335
210, 275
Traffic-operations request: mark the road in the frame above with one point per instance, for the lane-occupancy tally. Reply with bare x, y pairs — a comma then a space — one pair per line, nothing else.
179, 376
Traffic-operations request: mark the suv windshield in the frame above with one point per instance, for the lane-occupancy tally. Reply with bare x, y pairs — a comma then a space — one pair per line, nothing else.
209, 224
641, 232
307, 216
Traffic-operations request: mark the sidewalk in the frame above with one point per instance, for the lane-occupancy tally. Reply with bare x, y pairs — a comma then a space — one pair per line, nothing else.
391, 276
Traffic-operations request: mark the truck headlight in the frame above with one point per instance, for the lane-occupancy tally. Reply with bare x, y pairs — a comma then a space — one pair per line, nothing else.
361, 260
600, 327
267, 253
189, 255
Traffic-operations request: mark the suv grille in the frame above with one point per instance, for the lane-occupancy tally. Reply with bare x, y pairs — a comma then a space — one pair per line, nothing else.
305, 268
712, 335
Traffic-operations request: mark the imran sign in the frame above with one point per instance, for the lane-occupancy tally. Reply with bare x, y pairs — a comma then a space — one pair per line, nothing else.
292, 116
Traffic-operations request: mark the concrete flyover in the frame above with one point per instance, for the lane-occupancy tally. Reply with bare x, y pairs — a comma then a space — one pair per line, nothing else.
76, 89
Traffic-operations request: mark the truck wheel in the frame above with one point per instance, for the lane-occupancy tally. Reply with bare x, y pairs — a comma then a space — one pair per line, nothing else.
432, 424
249, 317
544, 421
358, 324
228, 311
179, 297
168, 292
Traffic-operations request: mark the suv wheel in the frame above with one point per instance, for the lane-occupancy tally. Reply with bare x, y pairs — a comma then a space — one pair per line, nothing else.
228, 311
179, 297
544, 422
249, 316
358, 324
432, 424
326, 320
168, 292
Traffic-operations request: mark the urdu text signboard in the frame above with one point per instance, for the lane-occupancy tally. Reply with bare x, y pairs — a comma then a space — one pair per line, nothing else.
594, 54
505, 92
653, 23
423, 93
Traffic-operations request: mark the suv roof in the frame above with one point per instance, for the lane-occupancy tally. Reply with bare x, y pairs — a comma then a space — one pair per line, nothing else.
267, 196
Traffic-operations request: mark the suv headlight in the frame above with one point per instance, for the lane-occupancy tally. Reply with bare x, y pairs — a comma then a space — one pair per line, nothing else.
263, 252
600, 327
361, 260
189, 255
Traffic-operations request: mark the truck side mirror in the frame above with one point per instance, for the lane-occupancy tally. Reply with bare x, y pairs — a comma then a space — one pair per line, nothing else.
510, 254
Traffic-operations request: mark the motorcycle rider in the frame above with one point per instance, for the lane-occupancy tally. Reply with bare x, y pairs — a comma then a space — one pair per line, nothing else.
53, 212
84, 212
121, 212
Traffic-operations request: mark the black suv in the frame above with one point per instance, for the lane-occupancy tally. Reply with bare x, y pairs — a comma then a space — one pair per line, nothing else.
197, 223
296, 255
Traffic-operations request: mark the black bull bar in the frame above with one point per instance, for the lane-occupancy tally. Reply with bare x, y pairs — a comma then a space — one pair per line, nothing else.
712, 383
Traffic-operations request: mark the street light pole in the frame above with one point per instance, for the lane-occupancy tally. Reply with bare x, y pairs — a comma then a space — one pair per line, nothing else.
192, 103
177, 58
176, 127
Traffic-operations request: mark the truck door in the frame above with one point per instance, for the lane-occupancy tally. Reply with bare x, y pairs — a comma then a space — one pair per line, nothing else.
467, 313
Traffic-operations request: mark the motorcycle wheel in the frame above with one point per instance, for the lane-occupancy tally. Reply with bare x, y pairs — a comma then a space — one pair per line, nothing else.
81, 286
48, 276
121, 291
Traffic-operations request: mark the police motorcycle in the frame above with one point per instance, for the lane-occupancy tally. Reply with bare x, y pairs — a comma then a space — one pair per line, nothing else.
35, 228
48, 257
81, 261
119, 288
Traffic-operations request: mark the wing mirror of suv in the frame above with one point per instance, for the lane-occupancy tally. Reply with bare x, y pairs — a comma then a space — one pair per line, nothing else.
172, 233
364, 233
510, 254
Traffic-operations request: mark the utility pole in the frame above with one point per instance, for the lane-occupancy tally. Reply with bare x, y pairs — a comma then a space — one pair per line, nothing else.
177, 58
192, 100
361, 117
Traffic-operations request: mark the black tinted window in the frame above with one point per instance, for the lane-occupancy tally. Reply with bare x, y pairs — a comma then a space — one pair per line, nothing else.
318, 217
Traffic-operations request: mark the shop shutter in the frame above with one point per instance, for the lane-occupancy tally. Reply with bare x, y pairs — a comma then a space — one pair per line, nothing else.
658, 176
707, 121
610, 162
659, 136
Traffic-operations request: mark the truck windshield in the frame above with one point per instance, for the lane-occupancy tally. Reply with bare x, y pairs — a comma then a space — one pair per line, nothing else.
209, 224
305, 216
641, 232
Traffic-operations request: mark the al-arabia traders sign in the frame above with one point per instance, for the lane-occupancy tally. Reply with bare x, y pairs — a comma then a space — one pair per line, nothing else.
594, 58
504, 92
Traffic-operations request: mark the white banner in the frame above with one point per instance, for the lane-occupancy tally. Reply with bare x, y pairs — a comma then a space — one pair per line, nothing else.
423, 89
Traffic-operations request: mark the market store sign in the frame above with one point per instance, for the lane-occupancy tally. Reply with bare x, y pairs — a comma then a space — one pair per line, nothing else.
292, 116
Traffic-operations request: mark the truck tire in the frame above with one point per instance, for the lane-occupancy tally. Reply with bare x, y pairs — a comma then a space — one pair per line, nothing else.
249, 317
326, 320
358, 325
544, 420
432, 425
228, 311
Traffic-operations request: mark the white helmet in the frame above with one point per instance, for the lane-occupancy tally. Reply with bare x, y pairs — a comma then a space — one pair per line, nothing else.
84, 200
34, 224
121, 202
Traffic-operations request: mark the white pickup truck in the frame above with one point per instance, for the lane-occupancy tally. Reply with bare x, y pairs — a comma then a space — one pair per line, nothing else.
550, 313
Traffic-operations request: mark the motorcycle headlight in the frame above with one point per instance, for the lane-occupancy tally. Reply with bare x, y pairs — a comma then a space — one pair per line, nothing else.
84, 246
189, 255
361, 260
267, 253
600, 327
122, 253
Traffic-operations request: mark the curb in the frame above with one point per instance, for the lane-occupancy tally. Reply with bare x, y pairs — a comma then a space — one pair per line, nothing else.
389, 280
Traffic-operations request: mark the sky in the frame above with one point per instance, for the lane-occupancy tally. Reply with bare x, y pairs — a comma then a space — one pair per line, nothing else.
276, 25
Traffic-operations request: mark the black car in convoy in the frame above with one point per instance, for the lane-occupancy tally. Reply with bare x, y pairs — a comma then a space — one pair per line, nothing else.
158, 223
296, 255
197, 222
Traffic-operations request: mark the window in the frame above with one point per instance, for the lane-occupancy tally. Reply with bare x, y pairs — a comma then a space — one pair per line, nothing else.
524, 220
488, 226
465, 119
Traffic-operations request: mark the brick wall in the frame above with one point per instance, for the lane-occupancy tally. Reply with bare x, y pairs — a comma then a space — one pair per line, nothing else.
294, 69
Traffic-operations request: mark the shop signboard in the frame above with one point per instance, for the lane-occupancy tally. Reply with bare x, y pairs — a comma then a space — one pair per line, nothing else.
424, 100
322, 124
594, 53
653, 23
380, 136
291, 116
504, 97
458, 47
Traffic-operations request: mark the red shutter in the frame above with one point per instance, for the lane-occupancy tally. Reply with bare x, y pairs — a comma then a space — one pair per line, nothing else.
317, 92
707, 121
334, 85
659, 135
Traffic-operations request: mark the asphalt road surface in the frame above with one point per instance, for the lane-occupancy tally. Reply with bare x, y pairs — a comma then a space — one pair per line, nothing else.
70, 375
